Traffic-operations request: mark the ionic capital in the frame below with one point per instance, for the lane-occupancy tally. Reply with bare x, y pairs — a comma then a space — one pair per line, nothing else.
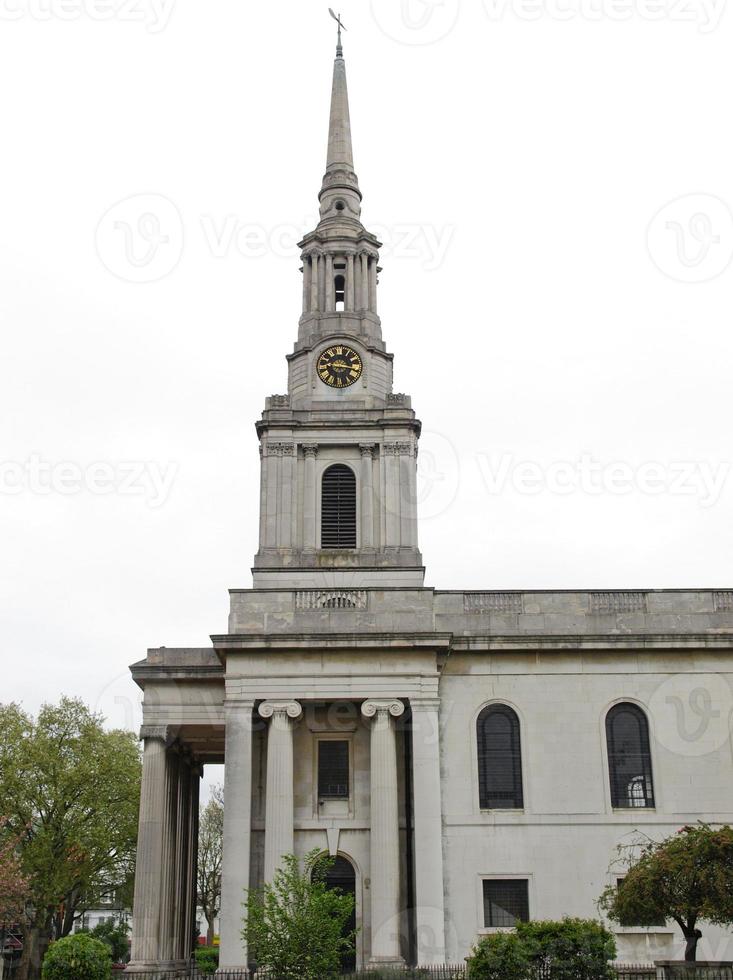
366, 448
280, 710
382, 709
310, 449
161, 732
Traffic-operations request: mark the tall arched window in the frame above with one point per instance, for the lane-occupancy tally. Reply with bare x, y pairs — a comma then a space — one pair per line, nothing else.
499, 759
629, 758
338, 507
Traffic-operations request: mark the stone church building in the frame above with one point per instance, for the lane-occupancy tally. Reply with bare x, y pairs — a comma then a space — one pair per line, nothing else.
470, 758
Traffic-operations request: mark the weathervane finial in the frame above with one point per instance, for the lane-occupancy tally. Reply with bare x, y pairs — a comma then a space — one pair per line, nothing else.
337, 18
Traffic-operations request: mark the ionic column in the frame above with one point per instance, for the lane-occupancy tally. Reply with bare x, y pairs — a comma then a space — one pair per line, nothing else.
373, 284
384, 849
194, 786
285, 511
237, 831
367, 496
279, 837
427, 817
272, 488
310, 451
349, 298
181, 857
314, 282
408, 495
364, 299
169, 865
148, 876
329, 283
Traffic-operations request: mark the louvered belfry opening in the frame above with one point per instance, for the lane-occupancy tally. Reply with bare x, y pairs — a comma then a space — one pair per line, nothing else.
499, 759
629, 757
333, 769
338, 507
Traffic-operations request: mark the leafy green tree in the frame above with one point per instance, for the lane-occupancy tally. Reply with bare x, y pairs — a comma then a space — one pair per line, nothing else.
115, 936
571, 949
77, 957
14, 886
207, 960
686, 877
70, 794
211, 836
295, 926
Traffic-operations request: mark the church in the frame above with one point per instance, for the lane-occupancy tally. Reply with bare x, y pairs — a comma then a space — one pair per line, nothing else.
469, 759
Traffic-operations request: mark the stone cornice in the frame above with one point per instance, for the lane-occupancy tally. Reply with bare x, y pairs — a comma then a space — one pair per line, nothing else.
287, 642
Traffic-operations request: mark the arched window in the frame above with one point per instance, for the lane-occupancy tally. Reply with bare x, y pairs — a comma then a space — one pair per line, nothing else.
629, 758
338, 507
341, 875
499, 759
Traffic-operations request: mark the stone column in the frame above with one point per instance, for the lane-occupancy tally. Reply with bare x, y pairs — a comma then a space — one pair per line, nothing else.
384, 848
237, 829
287, 483
367, 496
408, 495
146, 903
181, 856
364, 299
306, 283
310, 451
189, 911
392, 493
349, 297
272, 488
314, 282
279, 838
168, 876
427, 816
329, 283
373, 284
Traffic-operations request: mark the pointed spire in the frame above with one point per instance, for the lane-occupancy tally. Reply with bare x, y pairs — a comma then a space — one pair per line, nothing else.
340, 188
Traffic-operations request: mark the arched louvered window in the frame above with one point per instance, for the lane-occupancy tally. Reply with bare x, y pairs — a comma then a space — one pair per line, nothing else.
499, 759
629, 758
338, 507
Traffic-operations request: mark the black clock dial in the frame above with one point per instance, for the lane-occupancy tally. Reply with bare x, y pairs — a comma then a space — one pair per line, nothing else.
339, 366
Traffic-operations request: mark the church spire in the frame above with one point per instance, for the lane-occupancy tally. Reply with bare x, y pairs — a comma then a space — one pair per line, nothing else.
340, 188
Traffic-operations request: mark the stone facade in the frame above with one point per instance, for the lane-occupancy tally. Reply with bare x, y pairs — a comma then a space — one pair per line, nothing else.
345, 644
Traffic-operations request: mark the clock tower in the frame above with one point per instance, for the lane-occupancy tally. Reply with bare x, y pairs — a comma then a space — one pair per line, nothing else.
339, 450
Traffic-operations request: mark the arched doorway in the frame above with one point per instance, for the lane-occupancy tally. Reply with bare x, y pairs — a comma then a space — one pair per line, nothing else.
341, 875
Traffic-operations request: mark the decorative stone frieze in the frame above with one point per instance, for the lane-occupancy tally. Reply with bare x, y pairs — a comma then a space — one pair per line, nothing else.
331, 599
724, 601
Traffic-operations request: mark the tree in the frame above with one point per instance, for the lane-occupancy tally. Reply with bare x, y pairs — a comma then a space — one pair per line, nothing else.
685, 877
14, 886
211, 835
70, 794
295, 926
114, 936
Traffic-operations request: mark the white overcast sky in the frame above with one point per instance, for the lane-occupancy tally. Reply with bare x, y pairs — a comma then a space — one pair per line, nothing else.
553, 184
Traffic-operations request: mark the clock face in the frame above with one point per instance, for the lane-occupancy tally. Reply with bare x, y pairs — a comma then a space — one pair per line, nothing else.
339, 366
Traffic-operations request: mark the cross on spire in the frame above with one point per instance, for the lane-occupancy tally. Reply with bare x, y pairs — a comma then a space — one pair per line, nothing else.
337, 18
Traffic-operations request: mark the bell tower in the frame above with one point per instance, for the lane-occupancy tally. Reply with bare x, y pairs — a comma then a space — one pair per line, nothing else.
338, 453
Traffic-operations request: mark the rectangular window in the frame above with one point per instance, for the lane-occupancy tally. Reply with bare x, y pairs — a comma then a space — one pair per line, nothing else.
333, 769
506, 901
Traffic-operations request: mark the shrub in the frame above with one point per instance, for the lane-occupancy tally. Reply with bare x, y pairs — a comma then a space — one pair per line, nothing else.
499, 956
573, 949
207, 959
113, 935
77, 957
